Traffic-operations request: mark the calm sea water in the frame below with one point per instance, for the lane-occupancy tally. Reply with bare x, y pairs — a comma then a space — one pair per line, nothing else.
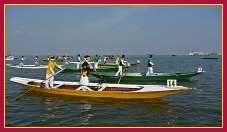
200, 107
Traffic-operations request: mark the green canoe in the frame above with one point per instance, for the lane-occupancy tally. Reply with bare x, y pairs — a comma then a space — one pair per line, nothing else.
210, 57
73, 68
58, 60
138, 77
114, 64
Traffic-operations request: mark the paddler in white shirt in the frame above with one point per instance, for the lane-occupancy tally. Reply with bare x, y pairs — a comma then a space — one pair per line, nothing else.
22, 61
96, 62
36, 60
78, 61
150, 66
120, 66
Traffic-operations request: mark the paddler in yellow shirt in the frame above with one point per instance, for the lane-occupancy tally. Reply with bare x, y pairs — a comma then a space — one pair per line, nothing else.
50, 73
117, 60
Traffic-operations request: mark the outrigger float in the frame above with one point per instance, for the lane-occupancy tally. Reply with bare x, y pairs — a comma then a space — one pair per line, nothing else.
124, 91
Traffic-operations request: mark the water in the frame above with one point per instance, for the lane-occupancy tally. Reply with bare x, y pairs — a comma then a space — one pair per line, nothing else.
200, 107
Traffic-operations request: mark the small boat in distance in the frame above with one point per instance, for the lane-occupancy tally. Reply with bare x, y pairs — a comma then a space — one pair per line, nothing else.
210, 57
104, 90
10, 57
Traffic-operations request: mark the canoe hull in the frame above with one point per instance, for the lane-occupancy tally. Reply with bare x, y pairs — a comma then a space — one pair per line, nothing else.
108, 94
29, 66
102, 69
211, 58
116, 65
57, 60
148, 92
163, 77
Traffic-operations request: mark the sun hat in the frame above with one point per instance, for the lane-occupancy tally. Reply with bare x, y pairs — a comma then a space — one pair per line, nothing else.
86, 56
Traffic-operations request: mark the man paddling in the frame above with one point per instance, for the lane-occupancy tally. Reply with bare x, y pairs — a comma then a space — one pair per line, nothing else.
96, 62
50, 73
150, 66
120, 66
117, 60
78, 61
22, 61
85, 71
36, 60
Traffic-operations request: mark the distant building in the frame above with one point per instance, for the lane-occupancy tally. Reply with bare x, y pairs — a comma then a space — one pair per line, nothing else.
197, 53
219, 53
202, 53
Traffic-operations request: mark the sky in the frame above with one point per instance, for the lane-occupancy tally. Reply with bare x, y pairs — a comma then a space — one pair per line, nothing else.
96, 29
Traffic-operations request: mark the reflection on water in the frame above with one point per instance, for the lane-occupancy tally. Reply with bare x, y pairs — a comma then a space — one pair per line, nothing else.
58, 100
199, 107
85, 112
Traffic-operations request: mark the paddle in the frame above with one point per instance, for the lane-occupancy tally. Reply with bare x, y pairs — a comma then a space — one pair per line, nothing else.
36, 85
100, 76
121, 75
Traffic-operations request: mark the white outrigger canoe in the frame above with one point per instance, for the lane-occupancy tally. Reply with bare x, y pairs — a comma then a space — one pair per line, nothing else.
126, 91
28, 66
11, 57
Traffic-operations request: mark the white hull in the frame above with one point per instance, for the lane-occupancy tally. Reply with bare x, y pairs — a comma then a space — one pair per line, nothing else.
101, 90
9, 59
29, 66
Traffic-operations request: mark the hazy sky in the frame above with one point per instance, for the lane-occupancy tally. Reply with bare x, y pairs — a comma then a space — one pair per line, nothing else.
131, 30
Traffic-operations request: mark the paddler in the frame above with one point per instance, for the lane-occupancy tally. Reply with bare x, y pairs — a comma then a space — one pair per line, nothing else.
22, 61
120, 66
96, 62
105, 59
117, 60
78, 61
150, 66
50, 73
36, 60
78, 58
85, 71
